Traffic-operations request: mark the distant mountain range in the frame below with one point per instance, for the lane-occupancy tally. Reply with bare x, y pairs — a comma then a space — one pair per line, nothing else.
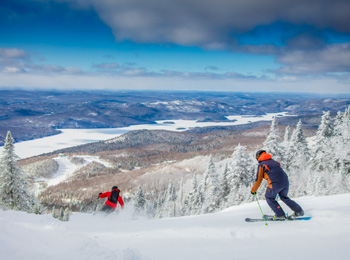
34, 114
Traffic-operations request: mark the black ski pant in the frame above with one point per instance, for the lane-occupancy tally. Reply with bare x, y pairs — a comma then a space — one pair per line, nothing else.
107, 209
270, 196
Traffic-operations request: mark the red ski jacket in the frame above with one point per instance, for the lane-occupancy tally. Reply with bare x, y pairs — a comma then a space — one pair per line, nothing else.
110, 203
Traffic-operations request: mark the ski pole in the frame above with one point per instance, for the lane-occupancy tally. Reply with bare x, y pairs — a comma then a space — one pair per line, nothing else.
260, 209
89, 203
86, 206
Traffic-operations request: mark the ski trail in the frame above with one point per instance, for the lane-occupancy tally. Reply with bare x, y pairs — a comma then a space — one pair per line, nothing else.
89, 159
65, 170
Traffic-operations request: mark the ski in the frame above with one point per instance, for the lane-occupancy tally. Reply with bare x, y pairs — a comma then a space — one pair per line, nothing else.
298, 218
270, 218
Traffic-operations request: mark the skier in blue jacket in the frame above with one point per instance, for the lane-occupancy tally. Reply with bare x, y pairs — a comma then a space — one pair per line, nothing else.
278, 184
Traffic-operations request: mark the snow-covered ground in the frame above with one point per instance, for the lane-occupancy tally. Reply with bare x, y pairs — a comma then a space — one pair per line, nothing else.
73, 137
221, 236
66, 167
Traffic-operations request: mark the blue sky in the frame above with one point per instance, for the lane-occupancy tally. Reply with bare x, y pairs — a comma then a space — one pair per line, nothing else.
228, 45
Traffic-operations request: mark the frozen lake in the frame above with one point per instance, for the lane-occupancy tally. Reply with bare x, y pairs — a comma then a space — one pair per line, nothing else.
74, 137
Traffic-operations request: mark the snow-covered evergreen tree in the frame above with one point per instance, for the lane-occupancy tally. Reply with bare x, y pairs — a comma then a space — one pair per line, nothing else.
298, 151
338, 124
346, 127
341, 142
321, 164
209, 173
194, 199
337, 182
159, 205
61, 214
66, 215
54, 214
297, 158
212, 191
331, 174
273, 142
225, 186
13, 187
139, 199
286, 138
169, 206
180, 199
320, 160
241, 176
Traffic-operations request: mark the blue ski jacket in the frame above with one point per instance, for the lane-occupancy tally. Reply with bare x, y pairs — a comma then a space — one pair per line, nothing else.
271, 171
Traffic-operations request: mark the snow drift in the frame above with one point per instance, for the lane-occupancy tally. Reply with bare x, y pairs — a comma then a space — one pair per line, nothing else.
222, 235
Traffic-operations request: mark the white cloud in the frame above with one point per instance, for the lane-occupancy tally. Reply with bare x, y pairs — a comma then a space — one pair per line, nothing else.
17, 70
173, 82
12, 53
13, 60
11, 70
286, 78
333, 58
107, 66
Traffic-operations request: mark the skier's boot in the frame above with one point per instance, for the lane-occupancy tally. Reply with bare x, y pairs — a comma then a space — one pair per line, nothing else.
297, 214
280, 218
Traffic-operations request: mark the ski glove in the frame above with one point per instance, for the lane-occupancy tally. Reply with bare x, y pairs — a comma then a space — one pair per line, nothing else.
253, 193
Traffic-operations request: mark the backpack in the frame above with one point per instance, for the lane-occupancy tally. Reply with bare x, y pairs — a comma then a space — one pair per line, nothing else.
114, 196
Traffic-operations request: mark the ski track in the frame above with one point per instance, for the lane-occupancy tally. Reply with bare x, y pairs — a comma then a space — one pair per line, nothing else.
66, 168
223, 235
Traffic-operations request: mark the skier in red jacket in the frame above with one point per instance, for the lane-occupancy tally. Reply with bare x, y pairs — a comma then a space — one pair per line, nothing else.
113, 198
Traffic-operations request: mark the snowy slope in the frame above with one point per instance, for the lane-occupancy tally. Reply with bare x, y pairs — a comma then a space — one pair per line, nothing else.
218, 236
66, 168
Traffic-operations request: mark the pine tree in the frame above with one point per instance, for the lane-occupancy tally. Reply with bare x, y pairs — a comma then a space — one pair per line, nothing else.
298, 152
54, 215
339, 181
168, 209
338, 124
273, 142
297, 161
241, 175
159, 206
13, 187
224, 184
139, 199
212, 190
180, 198
194, 200
321, 165
341, 142
346, 126
61, 214
320, 160
66, 215
210, 173
286, 138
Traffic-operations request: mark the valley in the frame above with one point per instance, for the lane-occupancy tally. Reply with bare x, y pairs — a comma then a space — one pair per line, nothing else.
141, 139
34, 114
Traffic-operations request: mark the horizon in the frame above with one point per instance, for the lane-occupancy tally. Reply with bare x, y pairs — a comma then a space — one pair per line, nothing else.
226, 46
321, 95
